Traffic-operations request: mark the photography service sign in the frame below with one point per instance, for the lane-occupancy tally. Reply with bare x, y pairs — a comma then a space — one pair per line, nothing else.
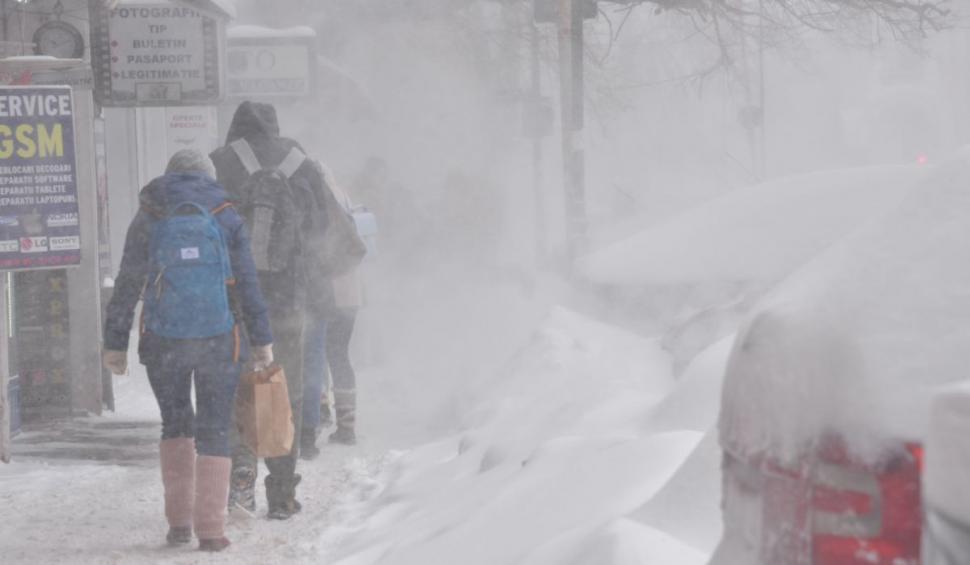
39, 221
157, 54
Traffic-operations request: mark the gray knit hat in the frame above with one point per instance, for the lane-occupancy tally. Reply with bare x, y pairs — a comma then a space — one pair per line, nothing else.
190, 161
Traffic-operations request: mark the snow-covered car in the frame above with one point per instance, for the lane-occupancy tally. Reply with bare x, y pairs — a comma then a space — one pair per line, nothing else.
827, 392
946, 498
695, 276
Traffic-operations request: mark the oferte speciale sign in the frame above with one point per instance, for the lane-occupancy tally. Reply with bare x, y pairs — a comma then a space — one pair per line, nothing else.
157, 54
39, 215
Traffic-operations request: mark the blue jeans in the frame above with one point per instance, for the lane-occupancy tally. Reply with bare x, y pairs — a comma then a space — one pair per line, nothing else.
315, 370
172, 366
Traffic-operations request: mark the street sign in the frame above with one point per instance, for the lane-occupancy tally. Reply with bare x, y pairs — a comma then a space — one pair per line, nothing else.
157, 54
39, 211
266, 63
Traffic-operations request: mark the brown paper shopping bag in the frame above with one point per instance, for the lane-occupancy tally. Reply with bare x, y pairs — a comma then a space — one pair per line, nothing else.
263, 413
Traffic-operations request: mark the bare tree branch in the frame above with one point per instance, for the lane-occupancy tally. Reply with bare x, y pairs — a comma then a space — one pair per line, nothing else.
906, 18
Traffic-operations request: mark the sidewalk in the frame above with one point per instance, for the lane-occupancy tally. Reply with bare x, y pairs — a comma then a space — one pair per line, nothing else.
90, 440
88, 491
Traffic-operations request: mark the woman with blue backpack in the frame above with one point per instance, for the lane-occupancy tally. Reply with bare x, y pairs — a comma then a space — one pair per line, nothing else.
187, 256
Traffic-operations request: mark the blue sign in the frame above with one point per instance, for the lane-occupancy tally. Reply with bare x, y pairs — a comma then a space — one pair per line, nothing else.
40, 226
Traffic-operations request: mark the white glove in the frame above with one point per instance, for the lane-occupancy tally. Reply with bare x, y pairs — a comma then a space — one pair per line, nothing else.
262, 357
115, 361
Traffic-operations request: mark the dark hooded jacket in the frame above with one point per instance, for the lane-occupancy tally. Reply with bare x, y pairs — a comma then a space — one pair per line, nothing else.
257, 123
157, 199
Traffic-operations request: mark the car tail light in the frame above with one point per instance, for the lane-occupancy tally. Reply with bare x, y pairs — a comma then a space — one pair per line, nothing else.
866, 516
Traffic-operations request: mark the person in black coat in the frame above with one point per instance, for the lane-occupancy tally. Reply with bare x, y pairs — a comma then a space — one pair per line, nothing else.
288, 292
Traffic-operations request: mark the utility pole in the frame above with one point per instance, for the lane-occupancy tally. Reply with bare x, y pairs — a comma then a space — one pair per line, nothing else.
571, 58
763, 156
536, 113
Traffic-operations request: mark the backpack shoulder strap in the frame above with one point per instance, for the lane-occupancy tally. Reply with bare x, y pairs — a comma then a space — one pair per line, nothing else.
188, 204
292, 163
221, 208
246, 155
152, 211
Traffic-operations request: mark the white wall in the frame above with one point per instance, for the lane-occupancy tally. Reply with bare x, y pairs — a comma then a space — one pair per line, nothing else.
140, 142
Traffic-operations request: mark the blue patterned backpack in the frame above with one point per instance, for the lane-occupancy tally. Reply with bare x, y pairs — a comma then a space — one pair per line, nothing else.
187, 295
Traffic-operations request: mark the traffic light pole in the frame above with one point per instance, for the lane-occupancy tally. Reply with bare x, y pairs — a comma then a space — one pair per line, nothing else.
573, 119
537, 177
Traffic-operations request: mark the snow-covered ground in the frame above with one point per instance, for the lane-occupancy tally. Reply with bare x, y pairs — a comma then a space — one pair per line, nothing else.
69, 511
580, 449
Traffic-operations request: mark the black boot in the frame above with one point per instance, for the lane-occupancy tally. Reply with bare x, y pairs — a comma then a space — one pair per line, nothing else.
281, 497
179, 536
345, 436
242, 488
308, 444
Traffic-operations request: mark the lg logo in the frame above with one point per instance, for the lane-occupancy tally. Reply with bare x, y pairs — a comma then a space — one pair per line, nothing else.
33, 244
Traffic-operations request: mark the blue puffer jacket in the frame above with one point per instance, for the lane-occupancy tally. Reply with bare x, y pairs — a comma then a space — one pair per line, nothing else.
157, 198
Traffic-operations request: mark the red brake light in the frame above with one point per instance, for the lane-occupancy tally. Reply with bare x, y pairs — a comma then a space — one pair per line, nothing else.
866, 516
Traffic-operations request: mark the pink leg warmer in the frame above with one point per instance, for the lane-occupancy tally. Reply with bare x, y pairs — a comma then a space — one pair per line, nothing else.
178, 477
211, 496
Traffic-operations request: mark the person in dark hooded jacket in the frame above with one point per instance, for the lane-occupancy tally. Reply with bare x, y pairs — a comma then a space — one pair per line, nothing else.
195, 443
288, 292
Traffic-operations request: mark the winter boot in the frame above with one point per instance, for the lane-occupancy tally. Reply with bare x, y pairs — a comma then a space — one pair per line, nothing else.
344, 436
345, 404
308, 444
211, 494
178, 477
214, 545
179, 536
281, 497
242, 488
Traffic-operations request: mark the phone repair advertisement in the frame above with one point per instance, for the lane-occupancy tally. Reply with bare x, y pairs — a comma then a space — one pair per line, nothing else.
39, 216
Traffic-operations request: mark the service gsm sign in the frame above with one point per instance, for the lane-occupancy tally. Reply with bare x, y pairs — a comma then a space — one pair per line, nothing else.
157, 54
39, 219
265, 63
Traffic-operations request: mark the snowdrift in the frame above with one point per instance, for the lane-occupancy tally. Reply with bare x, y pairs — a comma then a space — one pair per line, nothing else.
558, 466
759, 233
